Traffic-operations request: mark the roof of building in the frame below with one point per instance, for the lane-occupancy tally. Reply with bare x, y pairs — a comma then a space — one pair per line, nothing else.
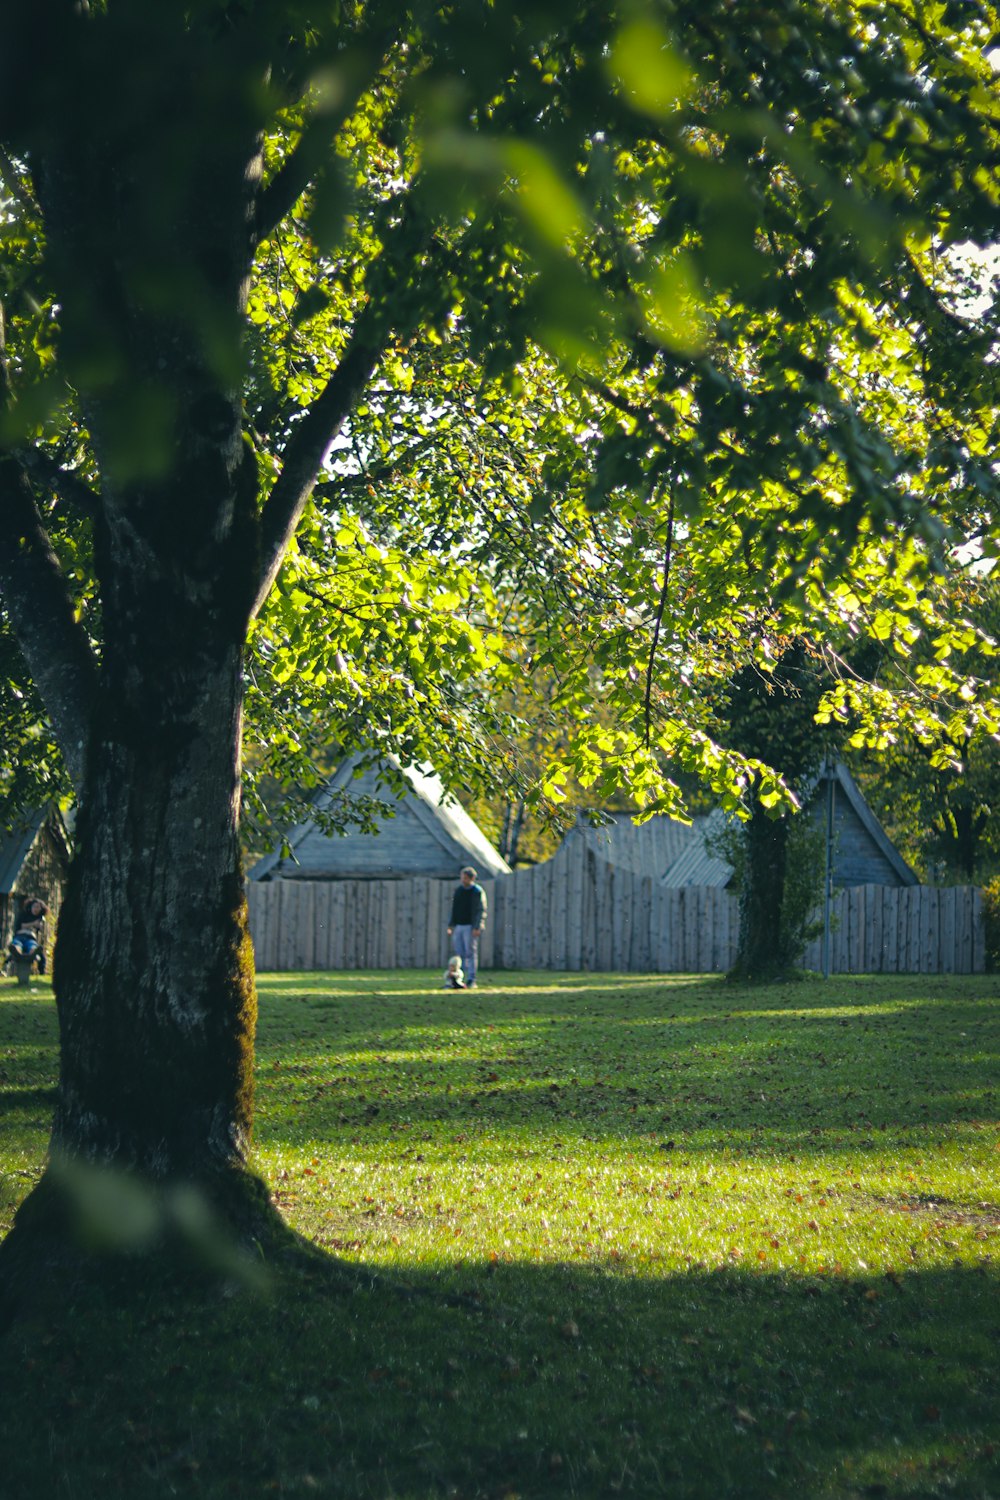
863, 852
644, 848
431, 833
17, 840
696, 865
886, 850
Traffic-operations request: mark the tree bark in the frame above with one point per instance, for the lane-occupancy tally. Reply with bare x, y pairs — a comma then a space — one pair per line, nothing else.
153, 966
762, 954
37, 601
153, 969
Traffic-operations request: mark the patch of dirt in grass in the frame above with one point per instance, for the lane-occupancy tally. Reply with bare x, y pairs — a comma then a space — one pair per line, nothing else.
982, 1215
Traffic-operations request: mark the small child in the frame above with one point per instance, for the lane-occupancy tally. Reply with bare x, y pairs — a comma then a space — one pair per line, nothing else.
454, 977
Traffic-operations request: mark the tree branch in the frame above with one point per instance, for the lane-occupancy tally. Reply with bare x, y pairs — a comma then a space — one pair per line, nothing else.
397, 463
660, 612
378, 321
44, 470
296, 173
307, 448
601, 389
40, 608
315, 144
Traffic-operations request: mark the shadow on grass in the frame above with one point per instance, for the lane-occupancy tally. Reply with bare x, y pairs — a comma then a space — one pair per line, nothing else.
13, 1100
784, 1070
547, 1381
484, 1381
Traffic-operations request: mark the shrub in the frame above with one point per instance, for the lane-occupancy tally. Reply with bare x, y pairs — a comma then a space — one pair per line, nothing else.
802, 897
991, 924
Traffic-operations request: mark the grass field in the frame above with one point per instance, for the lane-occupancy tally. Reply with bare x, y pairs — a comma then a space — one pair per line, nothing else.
587, 1235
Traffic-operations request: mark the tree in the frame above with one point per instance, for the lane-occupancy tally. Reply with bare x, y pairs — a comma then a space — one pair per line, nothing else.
938, 795
771, 715
274, 272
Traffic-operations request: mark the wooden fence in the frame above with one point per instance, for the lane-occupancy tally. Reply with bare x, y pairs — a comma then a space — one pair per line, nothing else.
588, 914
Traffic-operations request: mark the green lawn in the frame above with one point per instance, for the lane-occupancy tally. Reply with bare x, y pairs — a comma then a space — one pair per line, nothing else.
589, 1235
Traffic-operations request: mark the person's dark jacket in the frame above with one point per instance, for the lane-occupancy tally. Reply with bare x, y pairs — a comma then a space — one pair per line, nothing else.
468, 906
27, 921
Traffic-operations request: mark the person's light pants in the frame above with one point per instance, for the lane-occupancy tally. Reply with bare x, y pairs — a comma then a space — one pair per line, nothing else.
467, 948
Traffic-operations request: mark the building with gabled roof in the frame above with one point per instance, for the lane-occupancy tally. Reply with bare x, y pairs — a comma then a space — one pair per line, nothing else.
863, 853
644, 848
696, 864
427, 832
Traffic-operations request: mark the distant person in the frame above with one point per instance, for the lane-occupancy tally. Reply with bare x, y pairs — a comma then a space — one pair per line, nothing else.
468, 917
29, 930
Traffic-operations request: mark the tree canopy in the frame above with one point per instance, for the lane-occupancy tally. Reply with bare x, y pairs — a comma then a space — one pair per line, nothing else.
939, 800
641, 340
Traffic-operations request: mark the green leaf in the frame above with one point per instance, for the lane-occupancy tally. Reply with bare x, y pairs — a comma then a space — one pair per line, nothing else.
644, 66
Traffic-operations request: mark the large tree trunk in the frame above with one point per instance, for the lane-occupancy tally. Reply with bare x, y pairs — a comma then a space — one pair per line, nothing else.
153, 971
154, 967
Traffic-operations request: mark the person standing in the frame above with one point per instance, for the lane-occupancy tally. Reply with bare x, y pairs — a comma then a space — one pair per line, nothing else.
468, 917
